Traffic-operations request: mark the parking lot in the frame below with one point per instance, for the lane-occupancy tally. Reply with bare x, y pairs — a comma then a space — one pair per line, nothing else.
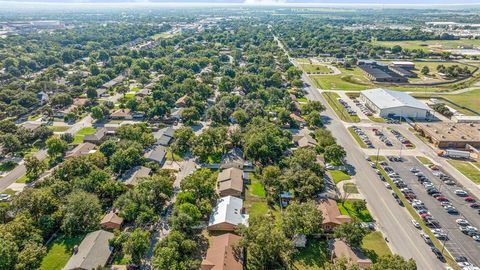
458, 243
382, 138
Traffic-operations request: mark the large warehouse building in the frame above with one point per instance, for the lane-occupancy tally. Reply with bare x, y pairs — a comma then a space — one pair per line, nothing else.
388, 103
451, 135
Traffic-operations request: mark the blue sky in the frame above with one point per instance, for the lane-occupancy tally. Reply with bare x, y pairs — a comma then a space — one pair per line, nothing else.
385, 2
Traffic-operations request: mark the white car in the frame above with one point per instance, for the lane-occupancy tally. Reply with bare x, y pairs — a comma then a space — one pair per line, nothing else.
4, 197
415, 224
387, 185
414, 170
462, 222
437, 231
476, 238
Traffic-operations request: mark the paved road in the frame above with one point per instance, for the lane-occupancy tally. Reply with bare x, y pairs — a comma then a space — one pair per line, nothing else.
18, 172
393, 220
459, 243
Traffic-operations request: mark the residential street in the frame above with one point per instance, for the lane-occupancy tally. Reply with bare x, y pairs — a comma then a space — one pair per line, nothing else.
18, 172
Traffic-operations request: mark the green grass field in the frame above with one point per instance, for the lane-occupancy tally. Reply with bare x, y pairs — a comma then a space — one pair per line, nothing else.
59, 251
312, 257
374, 245
424, 160
350, 188
467, 169
332, 99
82, 133
346, 208
339, 176
58, 128
429, 44
310, 68
255, 198
350, 79
468, 99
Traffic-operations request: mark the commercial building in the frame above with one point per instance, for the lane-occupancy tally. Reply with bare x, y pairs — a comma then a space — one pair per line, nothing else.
466, 118
388, 103
381, 73
451, 135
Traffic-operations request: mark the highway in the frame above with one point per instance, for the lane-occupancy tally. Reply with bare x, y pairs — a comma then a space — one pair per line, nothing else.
393, 220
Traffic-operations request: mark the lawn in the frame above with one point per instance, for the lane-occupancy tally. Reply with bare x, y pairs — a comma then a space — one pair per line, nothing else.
374, 245
349, 79
430, 44
313, 256
424, 160
256, 188
376, 119
23, 179
255, 198
332, 99
346, 208
82, 133
58, 128
357, 138
309, 68
339, 176
59, 251
350, 188
8, 191
467, 169
176, 157
465, 101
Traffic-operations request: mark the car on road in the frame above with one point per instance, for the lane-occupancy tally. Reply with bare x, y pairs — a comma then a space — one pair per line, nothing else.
461, 193
387, 185
416, 224
462, 222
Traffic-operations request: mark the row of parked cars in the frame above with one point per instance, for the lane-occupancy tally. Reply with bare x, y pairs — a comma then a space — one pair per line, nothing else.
401, 138
382, 137
347, 107
365, 110
363, 136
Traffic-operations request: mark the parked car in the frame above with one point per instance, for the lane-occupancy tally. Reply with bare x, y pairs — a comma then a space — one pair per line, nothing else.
426, 238
462, 222
437, 253
469, 199
461, 193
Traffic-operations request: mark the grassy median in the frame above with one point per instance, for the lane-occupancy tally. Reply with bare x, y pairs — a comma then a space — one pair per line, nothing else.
332, 99
357, 138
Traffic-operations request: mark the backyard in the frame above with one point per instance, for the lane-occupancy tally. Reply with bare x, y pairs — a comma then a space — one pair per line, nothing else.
82, 133
313, 256
59, 251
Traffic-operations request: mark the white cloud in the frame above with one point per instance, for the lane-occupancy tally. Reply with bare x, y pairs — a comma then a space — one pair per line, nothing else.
264, 2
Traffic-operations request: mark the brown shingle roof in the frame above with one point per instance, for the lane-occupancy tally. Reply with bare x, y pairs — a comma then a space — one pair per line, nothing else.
331, 213
231, 178
341, 249
221, 254
112, 218
81, 149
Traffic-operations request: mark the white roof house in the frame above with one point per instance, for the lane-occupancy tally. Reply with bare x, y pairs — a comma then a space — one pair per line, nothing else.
227, 214
393, 103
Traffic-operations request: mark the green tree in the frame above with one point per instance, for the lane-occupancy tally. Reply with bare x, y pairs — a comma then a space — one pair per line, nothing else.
305, 219
335, 154
176, 251
352, 233
266, 240
34, 167
314, 119
56, 147
184, 138
425, 70
137, 244
31, 256
359, 205
97, 113
190, 115
91, 93
341, 263
82, 213
394, 262
8, 252
10, 144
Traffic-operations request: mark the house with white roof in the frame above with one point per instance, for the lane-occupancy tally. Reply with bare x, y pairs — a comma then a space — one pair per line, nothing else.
388, 103
227, 214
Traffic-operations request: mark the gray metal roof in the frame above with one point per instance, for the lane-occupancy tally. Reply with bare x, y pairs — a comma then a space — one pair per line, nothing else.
157, 154
94, 251
385, 99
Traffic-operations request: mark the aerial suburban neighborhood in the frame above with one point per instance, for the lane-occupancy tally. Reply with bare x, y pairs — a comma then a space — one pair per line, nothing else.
239, 137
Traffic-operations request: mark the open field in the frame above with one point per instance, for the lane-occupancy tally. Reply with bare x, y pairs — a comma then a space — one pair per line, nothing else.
467, 100
59, 251
332, 99
429, 44
350, 79
470, 171
310, 68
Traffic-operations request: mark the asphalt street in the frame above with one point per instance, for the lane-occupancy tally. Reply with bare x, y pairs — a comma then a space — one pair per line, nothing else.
393, 220
18, 172
459, 243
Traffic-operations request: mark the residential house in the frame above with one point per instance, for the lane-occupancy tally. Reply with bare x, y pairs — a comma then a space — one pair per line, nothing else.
306, 141
111, 221
98, 137
331, 215
157, 154
355, 255
227, 214
81, 149
131, 177
93, 252
297, 118
230, 182
142, 93
181, 101
221, 254
233, 159
121, 114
